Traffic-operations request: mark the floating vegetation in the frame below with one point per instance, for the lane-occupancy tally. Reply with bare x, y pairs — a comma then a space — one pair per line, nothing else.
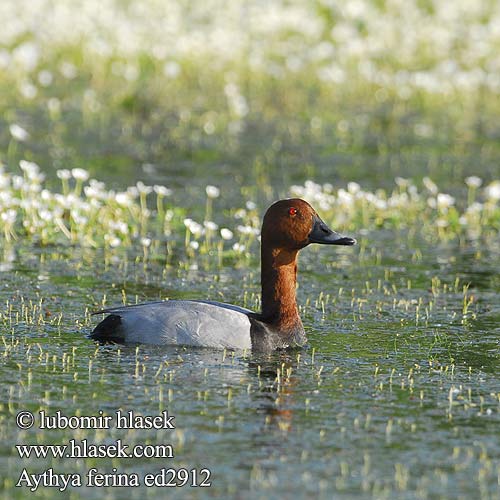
403, 354
439, 214
361, 91
86, 213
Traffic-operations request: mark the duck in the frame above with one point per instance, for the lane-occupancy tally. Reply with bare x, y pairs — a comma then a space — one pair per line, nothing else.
288, 226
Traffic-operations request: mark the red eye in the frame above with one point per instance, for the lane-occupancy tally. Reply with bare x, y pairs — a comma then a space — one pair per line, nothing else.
292, 211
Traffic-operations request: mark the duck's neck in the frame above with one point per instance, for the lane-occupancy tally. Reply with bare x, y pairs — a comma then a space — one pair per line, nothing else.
279, 279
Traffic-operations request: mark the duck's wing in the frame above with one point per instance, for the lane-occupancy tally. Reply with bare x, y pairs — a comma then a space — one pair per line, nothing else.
181, 322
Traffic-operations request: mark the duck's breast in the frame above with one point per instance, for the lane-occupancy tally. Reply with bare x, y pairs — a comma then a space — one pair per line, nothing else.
181, 322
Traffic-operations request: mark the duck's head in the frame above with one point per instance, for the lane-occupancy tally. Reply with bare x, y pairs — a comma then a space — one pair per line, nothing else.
293, 224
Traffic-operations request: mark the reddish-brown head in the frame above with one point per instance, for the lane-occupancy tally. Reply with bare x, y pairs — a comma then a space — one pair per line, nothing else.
292, 224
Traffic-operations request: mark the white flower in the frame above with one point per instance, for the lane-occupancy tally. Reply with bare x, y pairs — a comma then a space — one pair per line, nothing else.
226, 233
211, 226
344, 197
18, 132
143, 189
30, 168
46, 195
4, 182
18, 182
90, 192
71, 200
7, 200
353, 187
54, 105
68, 70
9, 217
239, 105
27, 55
194, 227
46, 215
119, 226
171, 69
240, 213
413, 192
79, 219
28, 90
492, 191
64, 174
112, 240
251, 205
45, 78
123, 198
133, 191
238, 247
97, 185
80, 174
297, 190
194, 245
380, 204
473, 181
162, 190
445, 201
145, 242
245, 229
430, 185
212, 191
122, 227
475, 208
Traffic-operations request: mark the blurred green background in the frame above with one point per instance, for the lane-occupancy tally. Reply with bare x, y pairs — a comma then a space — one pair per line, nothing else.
252, 93
384, 114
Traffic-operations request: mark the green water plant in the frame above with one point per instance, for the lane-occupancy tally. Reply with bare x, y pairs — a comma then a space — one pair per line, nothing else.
85, 213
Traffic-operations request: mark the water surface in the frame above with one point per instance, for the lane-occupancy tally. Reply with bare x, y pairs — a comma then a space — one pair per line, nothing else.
397, 395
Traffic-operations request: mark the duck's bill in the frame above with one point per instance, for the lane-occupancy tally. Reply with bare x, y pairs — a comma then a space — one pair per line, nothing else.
322, 234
